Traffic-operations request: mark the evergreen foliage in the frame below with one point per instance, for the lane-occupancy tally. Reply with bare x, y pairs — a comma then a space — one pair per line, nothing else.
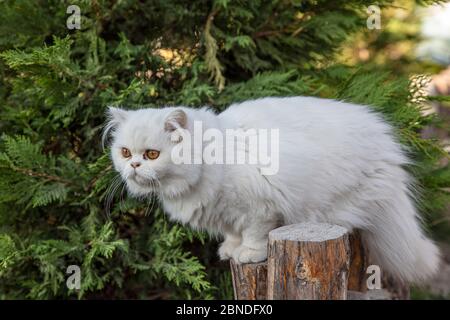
62, 204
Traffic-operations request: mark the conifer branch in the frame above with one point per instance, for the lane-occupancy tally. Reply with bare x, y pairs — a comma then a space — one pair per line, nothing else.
48, 177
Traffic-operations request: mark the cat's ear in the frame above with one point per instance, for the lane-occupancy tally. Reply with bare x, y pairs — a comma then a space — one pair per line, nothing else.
175, 120
116, 115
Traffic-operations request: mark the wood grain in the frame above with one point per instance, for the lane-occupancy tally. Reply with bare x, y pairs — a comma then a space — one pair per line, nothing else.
249, 280
308, 261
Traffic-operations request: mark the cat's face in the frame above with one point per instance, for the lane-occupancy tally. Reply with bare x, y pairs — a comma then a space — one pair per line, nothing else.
141, 151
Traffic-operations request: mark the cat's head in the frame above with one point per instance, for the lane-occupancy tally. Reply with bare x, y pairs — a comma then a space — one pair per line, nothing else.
141, 150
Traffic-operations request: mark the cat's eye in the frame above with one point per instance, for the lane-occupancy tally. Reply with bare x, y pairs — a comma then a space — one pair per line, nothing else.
152, 154
126, 153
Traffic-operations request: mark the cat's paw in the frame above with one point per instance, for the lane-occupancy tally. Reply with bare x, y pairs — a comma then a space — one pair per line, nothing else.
244, 254
227, 248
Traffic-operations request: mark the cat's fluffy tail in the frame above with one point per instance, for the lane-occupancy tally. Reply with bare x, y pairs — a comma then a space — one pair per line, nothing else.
398, 243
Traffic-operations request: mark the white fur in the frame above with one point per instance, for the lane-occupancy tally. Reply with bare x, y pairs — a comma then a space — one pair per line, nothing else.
339, 163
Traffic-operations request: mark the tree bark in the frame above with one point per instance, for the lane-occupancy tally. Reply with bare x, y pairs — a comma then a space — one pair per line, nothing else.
358, 264
308, 261
249, 280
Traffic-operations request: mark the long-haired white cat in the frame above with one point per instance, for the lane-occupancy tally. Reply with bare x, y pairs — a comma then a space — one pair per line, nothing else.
338, 163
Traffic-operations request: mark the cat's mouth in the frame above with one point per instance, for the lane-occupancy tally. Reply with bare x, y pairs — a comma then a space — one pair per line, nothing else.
143, 181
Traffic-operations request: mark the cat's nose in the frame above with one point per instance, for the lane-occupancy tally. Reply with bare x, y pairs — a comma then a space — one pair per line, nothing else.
135, 164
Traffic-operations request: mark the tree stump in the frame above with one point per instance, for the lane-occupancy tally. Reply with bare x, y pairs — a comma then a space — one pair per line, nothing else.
308, 261
313, 261
249, 280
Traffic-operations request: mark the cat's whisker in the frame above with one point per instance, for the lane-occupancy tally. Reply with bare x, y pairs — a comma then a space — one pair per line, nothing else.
121, 196
111, 193
147, 210
113, 182
159, 194
151, 198
108, 193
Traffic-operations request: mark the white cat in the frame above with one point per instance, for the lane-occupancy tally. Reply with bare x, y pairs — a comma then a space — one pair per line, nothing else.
338, 163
